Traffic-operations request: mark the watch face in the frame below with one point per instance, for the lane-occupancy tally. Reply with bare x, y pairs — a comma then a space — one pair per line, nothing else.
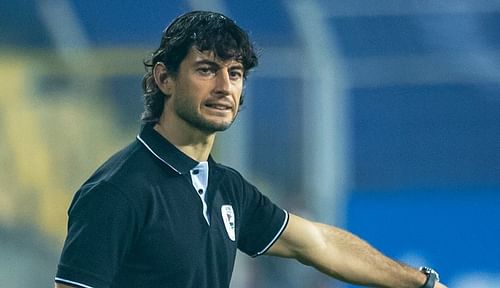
427, 271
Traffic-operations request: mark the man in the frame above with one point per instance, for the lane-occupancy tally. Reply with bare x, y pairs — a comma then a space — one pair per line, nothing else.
163, 213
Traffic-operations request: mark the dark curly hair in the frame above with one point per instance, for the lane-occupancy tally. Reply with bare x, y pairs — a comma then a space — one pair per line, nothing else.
204, 30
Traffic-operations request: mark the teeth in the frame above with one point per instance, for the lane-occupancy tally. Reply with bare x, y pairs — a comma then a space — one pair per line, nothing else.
218, 107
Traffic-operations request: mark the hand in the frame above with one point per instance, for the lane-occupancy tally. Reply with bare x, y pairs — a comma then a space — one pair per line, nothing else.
440, 285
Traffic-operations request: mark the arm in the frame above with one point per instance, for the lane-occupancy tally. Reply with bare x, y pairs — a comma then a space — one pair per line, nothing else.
61, 286
344, 256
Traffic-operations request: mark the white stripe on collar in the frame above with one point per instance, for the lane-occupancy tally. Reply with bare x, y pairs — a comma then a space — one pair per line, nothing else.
156, 155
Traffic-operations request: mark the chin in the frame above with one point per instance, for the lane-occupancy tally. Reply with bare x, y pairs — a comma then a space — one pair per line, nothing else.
222, 127
216, 127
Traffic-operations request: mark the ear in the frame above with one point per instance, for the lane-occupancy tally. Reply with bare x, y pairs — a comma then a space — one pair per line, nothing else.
162, 78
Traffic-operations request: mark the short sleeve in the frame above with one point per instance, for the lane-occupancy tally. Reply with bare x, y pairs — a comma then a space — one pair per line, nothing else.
101, 228
262, 224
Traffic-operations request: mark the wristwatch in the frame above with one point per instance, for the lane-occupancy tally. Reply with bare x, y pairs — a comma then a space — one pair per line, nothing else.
432, 277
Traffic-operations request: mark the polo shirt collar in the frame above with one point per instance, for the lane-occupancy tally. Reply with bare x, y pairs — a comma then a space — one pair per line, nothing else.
165, 151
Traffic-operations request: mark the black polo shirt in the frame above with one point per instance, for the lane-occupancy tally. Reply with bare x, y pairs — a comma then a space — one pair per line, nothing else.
138, 222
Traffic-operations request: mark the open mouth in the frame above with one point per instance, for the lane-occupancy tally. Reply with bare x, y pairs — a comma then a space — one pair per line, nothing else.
219, 106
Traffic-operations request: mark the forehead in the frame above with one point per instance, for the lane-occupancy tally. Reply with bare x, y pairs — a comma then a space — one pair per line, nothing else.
196, 56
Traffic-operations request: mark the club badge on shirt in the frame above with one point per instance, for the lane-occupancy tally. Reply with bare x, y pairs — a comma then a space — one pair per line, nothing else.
228, 217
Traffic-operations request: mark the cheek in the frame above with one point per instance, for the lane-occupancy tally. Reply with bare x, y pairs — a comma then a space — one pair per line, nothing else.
238, 93
189, 93
198, 90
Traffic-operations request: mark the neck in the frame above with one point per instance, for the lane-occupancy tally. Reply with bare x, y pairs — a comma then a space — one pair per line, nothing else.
191, 142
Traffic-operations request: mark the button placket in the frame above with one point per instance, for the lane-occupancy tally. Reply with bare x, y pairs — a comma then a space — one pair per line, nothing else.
199, 179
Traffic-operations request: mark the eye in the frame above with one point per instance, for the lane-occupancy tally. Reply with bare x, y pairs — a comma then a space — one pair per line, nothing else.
206, 70
236, 74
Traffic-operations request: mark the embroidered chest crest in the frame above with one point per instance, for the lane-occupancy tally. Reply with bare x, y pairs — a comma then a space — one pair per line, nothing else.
229, 221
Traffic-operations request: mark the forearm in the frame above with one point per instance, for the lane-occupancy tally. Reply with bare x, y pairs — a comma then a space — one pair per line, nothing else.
347, 257
344, 256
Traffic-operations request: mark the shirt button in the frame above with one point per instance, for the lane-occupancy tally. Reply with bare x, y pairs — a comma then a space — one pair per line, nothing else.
195, 172
200, 191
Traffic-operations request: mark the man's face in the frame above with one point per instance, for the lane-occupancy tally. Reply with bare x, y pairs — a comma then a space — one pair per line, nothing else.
206, 91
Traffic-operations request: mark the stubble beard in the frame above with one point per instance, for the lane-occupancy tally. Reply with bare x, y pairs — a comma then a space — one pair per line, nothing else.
189, 115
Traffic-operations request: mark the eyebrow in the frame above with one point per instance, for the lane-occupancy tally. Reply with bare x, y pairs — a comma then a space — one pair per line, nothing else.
235, 65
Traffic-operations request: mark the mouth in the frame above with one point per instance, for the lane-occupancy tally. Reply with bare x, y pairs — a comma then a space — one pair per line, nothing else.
219, 106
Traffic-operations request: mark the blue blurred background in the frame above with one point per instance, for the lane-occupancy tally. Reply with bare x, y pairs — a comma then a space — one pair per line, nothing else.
381, 117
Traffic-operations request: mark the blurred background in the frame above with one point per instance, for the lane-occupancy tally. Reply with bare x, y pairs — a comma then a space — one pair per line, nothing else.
381, 117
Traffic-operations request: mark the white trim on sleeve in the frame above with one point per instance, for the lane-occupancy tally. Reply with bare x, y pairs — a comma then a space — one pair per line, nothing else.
72, 282
275, 237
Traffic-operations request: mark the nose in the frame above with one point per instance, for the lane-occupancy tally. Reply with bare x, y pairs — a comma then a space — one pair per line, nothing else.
222, 82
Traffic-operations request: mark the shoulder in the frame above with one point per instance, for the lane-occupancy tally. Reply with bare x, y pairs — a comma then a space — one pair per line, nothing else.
232, 175
229, 172
236, 185
118, 178
234, 180
124, 169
